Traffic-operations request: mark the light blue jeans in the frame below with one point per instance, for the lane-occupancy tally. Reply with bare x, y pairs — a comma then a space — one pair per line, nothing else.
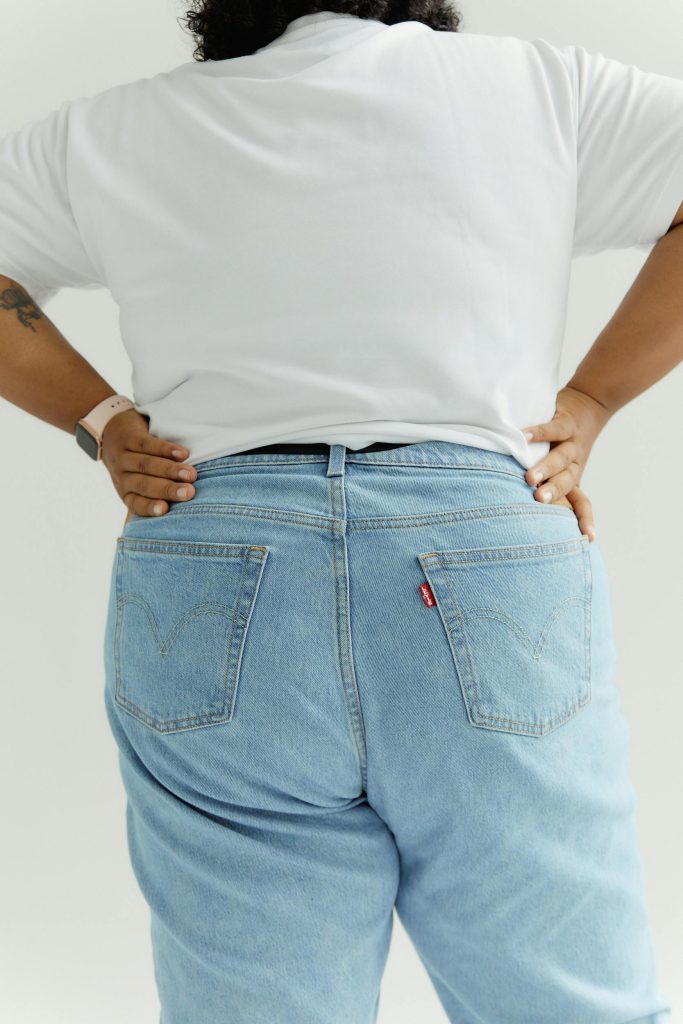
384, 680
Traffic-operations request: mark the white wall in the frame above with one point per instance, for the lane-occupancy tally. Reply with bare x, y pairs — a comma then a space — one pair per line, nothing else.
74, 944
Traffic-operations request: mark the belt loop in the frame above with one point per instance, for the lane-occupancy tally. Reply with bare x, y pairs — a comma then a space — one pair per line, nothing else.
335, 462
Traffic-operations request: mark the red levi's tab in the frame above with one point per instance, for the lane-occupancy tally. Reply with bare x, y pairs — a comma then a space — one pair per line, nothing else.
427, 595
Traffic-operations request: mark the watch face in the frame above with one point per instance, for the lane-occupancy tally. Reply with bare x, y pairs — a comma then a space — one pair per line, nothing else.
87, 442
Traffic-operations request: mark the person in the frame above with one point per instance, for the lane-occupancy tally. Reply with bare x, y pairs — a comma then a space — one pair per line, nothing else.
355, 663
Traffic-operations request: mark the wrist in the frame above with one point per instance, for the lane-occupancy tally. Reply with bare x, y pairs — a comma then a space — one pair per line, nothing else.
86, 407
118, 417
90, 428
600, 408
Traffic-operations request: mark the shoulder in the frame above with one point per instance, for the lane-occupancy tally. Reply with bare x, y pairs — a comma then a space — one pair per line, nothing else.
129, 95
510, 61
514, 47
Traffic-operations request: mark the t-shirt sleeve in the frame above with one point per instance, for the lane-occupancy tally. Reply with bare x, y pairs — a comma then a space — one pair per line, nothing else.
629, 150
40, 244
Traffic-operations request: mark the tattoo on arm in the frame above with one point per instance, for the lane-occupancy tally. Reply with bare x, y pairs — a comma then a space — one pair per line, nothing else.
18, 299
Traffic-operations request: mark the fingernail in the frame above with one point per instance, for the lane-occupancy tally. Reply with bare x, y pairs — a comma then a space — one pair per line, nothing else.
538, 475
591, 532
528, 434
157, 509
184, 474
177, 454
547, 495
182, 492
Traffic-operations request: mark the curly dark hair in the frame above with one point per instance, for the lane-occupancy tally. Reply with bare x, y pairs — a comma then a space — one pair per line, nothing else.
234, 28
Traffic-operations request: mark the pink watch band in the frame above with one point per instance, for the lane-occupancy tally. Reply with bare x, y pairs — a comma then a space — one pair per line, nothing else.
97, 419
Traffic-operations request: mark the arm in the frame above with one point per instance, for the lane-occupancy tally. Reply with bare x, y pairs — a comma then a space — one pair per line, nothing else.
641, 343
43, 374
644, 339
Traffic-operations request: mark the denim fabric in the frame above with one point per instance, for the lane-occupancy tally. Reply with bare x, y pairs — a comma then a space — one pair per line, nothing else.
380, 680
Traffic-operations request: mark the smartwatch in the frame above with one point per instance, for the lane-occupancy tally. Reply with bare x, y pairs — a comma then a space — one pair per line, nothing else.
90, 427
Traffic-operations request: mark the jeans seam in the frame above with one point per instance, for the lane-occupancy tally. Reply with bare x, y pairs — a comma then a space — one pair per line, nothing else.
327, 523
344, 642
509, 553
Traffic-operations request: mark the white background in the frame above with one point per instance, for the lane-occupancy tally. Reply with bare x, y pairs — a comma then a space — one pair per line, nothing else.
74, 945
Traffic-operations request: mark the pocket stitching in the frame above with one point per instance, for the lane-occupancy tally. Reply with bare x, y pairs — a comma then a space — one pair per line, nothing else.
455, 623
545, 725
536, 649
195, 611
254, 557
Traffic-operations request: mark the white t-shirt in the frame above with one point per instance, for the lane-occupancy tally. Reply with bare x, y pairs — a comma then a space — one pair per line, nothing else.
358, 233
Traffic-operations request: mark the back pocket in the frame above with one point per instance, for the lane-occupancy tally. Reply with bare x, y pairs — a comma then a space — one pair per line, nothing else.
182, 613
518, 622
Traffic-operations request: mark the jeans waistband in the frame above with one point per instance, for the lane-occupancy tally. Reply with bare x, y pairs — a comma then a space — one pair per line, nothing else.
434, 454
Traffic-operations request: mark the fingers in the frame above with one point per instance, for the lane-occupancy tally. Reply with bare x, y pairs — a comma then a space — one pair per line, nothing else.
154, 488
557, 475
558, 485
558, 458
583, 510
150, 473
154, 465
560, 428
564, 485
143, 506
141, 441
